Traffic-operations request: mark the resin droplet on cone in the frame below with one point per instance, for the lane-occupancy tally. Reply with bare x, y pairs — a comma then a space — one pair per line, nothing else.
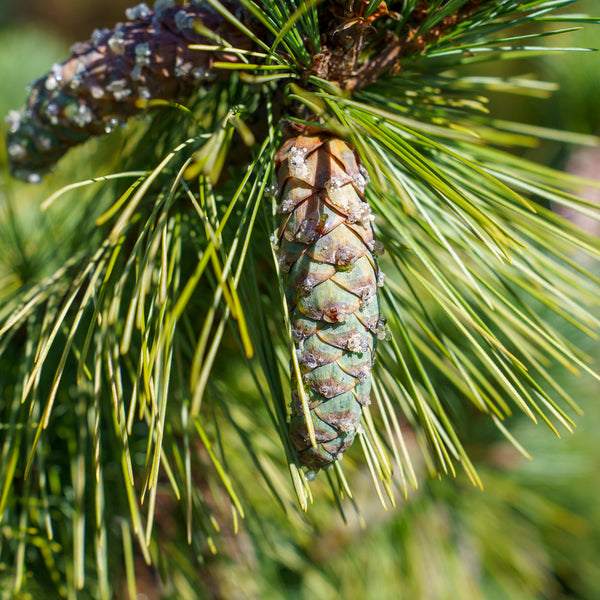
326, 247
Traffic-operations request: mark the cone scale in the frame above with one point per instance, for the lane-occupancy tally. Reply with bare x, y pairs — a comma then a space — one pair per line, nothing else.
326, 256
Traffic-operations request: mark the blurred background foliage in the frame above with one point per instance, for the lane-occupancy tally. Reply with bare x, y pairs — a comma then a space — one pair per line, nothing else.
533, 533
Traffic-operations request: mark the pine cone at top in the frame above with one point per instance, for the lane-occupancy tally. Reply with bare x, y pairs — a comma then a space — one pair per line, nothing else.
326, 255
110, 77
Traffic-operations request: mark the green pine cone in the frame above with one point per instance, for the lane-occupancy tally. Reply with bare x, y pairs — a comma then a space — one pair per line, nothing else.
326, 245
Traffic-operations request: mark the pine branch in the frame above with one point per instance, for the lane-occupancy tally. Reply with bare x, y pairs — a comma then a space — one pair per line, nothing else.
166, 54
160, 344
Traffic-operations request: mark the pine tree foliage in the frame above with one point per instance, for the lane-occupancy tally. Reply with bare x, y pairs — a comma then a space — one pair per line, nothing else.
145, 345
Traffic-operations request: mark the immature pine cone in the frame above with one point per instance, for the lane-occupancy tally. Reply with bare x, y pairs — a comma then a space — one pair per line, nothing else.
326, 245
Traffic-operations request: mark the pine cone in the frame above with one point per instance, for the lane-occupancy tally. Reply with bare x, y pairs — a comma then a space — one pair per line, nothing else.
326, 245
110, 77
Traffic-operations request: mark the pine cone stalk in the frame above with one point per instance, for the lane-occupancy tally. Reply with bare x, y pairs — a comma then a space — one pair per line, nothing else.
326, 253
